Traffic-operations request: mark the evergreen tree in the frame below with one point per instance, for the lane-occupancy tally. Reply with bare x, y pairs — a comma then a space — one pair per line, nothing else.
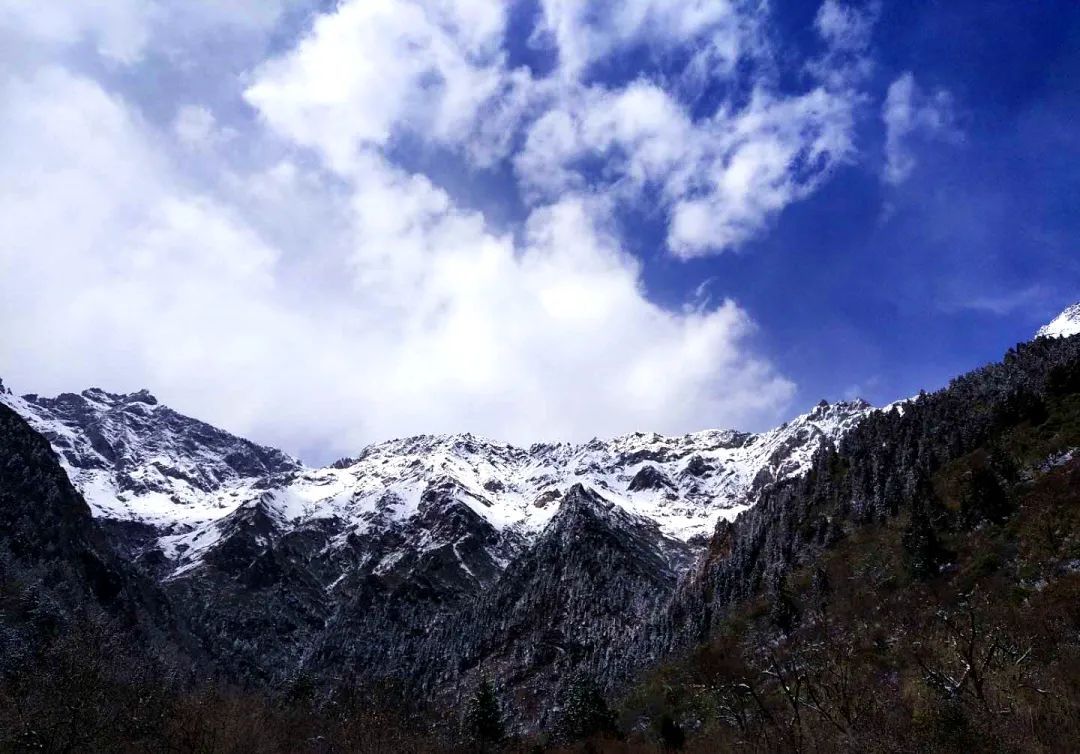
923, 554
671, 733
783, 611
585, 712
893, 496
984, 498
483, 717
821, 589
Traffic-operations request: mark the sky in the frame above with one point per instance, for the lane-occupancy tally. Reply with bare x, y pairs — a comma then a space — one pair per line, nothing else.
324, 224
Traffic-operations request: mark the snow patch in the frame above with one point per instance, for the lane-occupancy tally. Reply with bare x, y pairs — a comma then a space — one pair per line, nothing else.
1063, 325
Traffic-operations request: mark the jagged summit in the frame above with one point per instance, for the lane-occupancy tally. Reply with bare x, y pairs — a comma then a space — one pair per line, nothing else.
1063, 325
138, 461
114, 399
135, 459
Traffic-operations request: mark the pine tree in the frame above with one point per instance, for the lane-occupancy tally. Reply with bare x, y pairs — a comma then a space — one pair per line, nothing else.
783, 611
585, 712
984, 497
671, 733
923, 554
483, 717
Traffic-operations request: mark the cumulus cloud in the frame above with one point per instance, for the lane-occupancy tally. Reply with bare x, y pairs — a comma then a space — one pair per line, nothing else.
195, 127
307, 289
724, 176
368, 69
722, 31
773, 153
847, 31
116, 273
909, 114
119, 29
846, 27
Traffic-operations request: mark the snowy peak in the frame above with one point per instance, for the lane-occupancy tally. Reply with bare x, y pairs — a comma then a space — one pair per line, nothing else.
397, 496
452, 499
1063, 325
135, 459
584, 503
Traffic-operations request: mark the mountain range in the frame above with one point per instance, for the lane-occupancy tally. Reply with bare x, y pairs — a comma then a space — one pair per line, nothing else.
439, 561
411, 532
141, 464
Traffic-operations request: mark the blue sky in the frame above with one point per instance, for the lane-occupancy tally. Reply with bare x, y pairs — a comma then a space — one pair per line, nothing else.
896, 288
322, 224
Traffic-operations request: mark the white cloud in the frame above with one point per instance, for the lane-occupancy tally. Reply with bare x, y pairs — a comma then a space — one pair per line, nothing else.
760, 160
327, 302
196, 127
910, 113
845, 27
515, 329
237, 14
372, 67
723, 179
118, 28
117, 273
121, 30
846, 30
723, 31
1000, 303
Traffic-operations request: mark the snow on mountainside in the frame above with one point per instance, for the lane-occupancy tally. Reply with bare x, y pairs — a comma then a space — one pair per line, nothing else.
136, 460
1063, 325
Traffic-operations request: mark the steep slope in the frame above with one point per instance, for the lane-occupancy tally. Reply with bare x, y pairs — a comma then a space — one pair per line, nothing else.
386, 561
94, 659
882, 469
563, 607
919, 585
1063, 325
273, 595
684, 484
136, 460
174, 489
57, 568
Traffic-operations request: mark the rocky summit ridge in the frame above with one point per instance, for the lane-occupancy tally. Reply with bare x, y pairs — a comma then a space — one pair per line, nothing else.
137, 461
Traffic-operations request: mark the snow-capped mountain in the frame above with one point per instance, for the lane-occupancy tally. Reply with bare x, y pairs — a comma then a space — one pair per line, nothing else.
435, 562
1063, 325
138, 461
134, 459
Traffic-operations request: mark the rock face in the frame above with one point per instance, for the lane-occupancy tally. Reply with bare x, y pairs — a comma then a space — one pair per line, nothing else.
565, 606
56, 564
141, 464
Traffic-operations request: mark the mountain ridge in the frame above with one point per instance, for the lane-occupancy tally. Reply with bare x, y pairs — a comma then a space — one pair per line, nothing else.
436, 562
186, 485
